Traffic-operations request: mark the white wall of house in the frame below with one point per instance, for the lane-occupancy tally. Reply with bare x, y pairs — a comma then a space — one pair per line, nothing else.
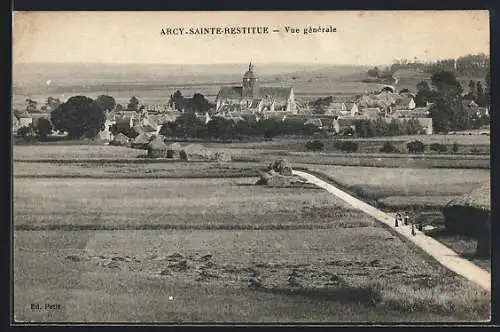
411, 105
25, 122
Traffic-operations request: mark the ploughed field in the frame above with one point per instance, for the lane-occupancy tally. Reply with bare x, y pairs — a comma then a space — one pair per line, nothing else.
218, 250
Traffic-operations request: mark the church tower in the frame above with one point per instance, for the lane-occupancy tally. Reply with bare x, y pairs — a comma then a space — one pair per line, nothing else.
250, 87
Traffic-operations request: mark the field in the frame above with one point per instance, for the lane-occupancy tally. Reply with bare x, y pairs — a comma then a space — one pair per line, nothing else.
253, 153
310, 259
376, 183
154, 84
422, 192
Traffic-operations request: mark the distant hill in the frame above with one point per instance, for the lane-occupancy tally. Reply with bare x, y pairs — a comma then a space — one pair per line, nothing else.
39, 73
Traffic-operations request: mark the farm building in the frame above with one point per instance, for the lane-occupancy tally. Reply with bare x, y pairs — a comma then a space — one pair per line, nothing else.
157, 148
251, 96
470, 214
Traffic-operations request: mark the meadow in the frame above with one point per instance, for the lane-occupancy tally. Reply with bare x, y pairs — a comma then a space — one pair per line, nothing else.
421, 192
376, 183
319, 261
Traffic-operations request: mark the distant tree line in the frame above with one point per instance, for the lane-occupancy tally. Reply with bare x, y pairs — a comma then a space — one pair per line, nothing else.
467, 64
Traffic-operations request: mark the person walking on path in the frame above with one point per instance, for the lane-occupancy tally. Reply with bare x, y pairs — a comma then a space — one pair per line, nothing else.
406, 218
396, 223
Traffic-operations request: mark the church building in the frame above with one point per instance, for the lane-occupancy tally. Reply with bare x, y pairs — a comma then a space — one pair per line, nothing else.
253, 98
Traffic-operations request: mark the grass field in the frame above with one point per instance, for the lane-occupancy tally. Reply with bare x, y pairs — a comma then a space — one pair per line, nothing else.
422, 192
164, 170
166, 203
101, 245
250, 154
376, 183
341, 267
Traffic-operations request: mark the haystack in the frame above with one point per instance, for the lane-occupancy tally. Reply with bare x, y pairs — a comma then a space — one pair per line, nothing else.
281, 166
173, 150
273, 179
194, 152
157, 148
221, 156
120, 140
141, 141
470, 214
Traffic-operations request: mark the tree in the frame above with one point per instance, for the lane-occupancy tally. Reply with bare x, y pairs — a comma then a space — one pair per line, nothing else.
447, 112
487, 90
80, 116
200, 103
220, 128
27, 132
52, 103
177, 100
472, 90
106, 103
43, 128
119, 108
188, 125
424, 94
31, 105
133, 104
480, 98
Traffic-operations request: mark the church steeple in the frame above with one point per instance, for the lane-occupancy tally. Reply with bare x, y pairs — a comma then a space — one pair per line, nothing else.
250, 88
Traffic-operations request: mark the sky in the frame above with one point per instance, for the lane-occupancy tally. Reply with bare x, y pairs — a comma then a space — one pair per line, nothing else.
362, 38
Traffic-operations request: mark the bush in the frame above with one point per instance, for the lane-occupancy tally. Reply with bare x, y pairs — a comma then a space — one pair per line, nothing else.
315, 145
388, 147
27, 132
346, 146
438, 147
415, 147
454, 147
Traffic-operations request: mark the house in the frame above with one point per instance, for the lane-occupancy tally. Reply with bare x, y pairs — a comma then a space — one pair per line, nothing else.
337, 106
420, 112
205, 118
403, 103
22, 119
250, 95
352, 109
344, 126
125, 120
372, 113
106, 134
469, 104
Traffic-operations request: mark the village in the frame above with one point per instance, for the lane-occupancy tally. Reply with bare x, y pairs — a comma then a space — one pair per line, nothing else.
337, 114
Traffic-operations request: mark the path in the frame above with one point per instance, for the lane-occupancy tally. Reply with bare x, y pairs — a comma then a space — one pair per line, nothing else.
444, 255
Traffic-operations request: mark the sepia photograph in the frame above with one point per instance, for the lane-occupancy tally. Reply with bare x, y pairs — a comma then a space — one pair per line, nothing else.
243, 167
